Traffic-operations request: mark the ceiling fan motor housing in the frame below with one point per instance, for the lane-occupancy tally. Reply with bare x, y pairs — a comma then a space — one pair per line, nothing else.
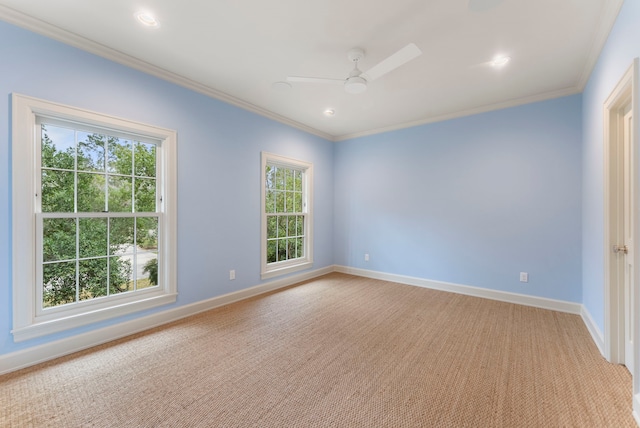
355, 54
355, 85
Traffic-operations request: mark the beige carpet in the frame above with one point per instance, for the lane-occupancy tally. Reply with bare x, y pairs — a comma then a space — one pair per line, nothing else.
339, 351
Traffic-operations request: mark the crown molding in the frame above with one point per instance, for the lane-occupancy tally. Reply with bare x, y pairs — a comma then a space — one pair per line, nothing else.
43, 28
462, 113
609, 14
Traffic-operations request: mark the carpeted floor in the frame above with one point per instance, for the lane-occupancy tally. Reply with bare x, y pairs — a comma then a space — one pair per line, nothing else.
338, 351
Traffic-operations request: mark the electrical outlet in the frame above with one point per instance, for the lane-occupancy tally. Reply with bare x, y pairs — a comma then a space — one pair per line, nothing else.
232, 274
366, 257
524, 277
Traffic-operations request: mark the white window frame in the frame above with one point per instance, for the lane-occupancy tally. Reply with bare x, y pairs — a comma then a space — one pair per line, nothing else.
30, 322
270, 270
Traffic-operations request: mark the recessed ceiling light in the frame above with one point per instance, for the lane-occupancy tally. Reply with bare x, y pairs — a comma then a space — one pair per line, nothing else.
329, 112
147, 19
500, 61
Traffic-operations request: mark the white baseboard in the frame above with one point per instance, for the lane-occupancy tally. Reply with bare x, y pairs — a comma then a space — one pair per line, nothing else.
503, 296
595, 332
636, 408
48, 351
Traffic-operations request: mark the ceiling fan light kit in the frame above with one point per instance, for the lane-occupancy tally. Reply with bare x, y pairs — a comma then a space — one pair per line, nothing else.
357, 81
355, 85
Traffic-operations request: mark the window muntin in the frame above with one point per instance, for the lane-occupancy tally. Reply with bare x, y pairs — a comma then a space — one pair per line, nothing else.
286, 215
87, 252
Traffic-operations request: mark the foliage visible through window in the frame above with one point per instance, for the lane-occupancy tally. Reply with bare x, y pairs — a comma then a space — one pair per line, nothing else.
285, 213
98, 221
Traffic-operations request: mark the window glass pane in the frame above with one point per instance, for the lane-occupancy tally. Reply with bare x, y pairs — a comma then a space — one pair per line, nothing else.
289, 202
93, 237
147, 233
91, 192
280, 201
300, 226
58, 283
282, 226
147, 272
300, 247
280, 185
297, 202
270, 201
120, 159
291, 248
119, 194
270, 177
145, 195
145, 161
292, 225
297, 179
57, 191
58, 239
58, 147
272, 249
288, 179
92, 278
121, 274
121, 235
282, 249
272, 227
91, 154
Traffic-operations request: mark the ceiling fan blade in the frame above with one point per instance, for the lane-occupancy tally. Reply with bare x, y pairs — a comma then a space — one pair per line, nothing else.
300, 79
399, 58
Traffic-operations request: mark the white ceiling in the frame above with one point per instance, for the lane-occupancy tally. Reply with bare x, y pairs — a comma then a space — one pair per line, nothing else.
235, 50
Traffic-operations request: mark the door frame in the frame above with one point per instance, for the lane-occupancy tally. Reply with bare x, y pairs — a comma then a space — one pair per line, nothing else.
623, 95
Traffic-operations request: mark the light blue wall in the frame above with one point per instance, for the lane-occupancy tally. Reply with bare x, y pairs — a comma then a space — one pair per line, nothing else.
617, 56
218, 164
472, 201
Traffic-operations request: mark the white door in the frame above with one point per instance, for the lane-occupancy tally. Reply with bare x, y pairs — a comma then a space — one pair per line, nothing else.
628, 242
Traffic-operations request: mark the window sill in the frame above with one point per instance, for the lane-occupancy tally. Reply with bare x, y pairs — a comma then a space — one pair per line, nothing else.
278, 271
43, 328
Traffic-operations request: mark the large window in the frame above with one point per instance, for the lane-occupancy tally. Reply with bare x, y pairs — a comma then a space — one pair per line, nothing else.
286, 215
95, 195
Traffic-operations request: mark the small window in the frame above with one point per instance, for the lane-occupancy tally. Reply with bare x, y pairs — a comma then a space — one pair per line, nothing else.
286, 215
97, 195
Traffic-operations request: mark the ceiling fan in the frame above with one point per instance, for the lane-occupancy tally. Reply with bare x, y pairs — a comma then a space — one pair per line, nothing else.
357, 81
